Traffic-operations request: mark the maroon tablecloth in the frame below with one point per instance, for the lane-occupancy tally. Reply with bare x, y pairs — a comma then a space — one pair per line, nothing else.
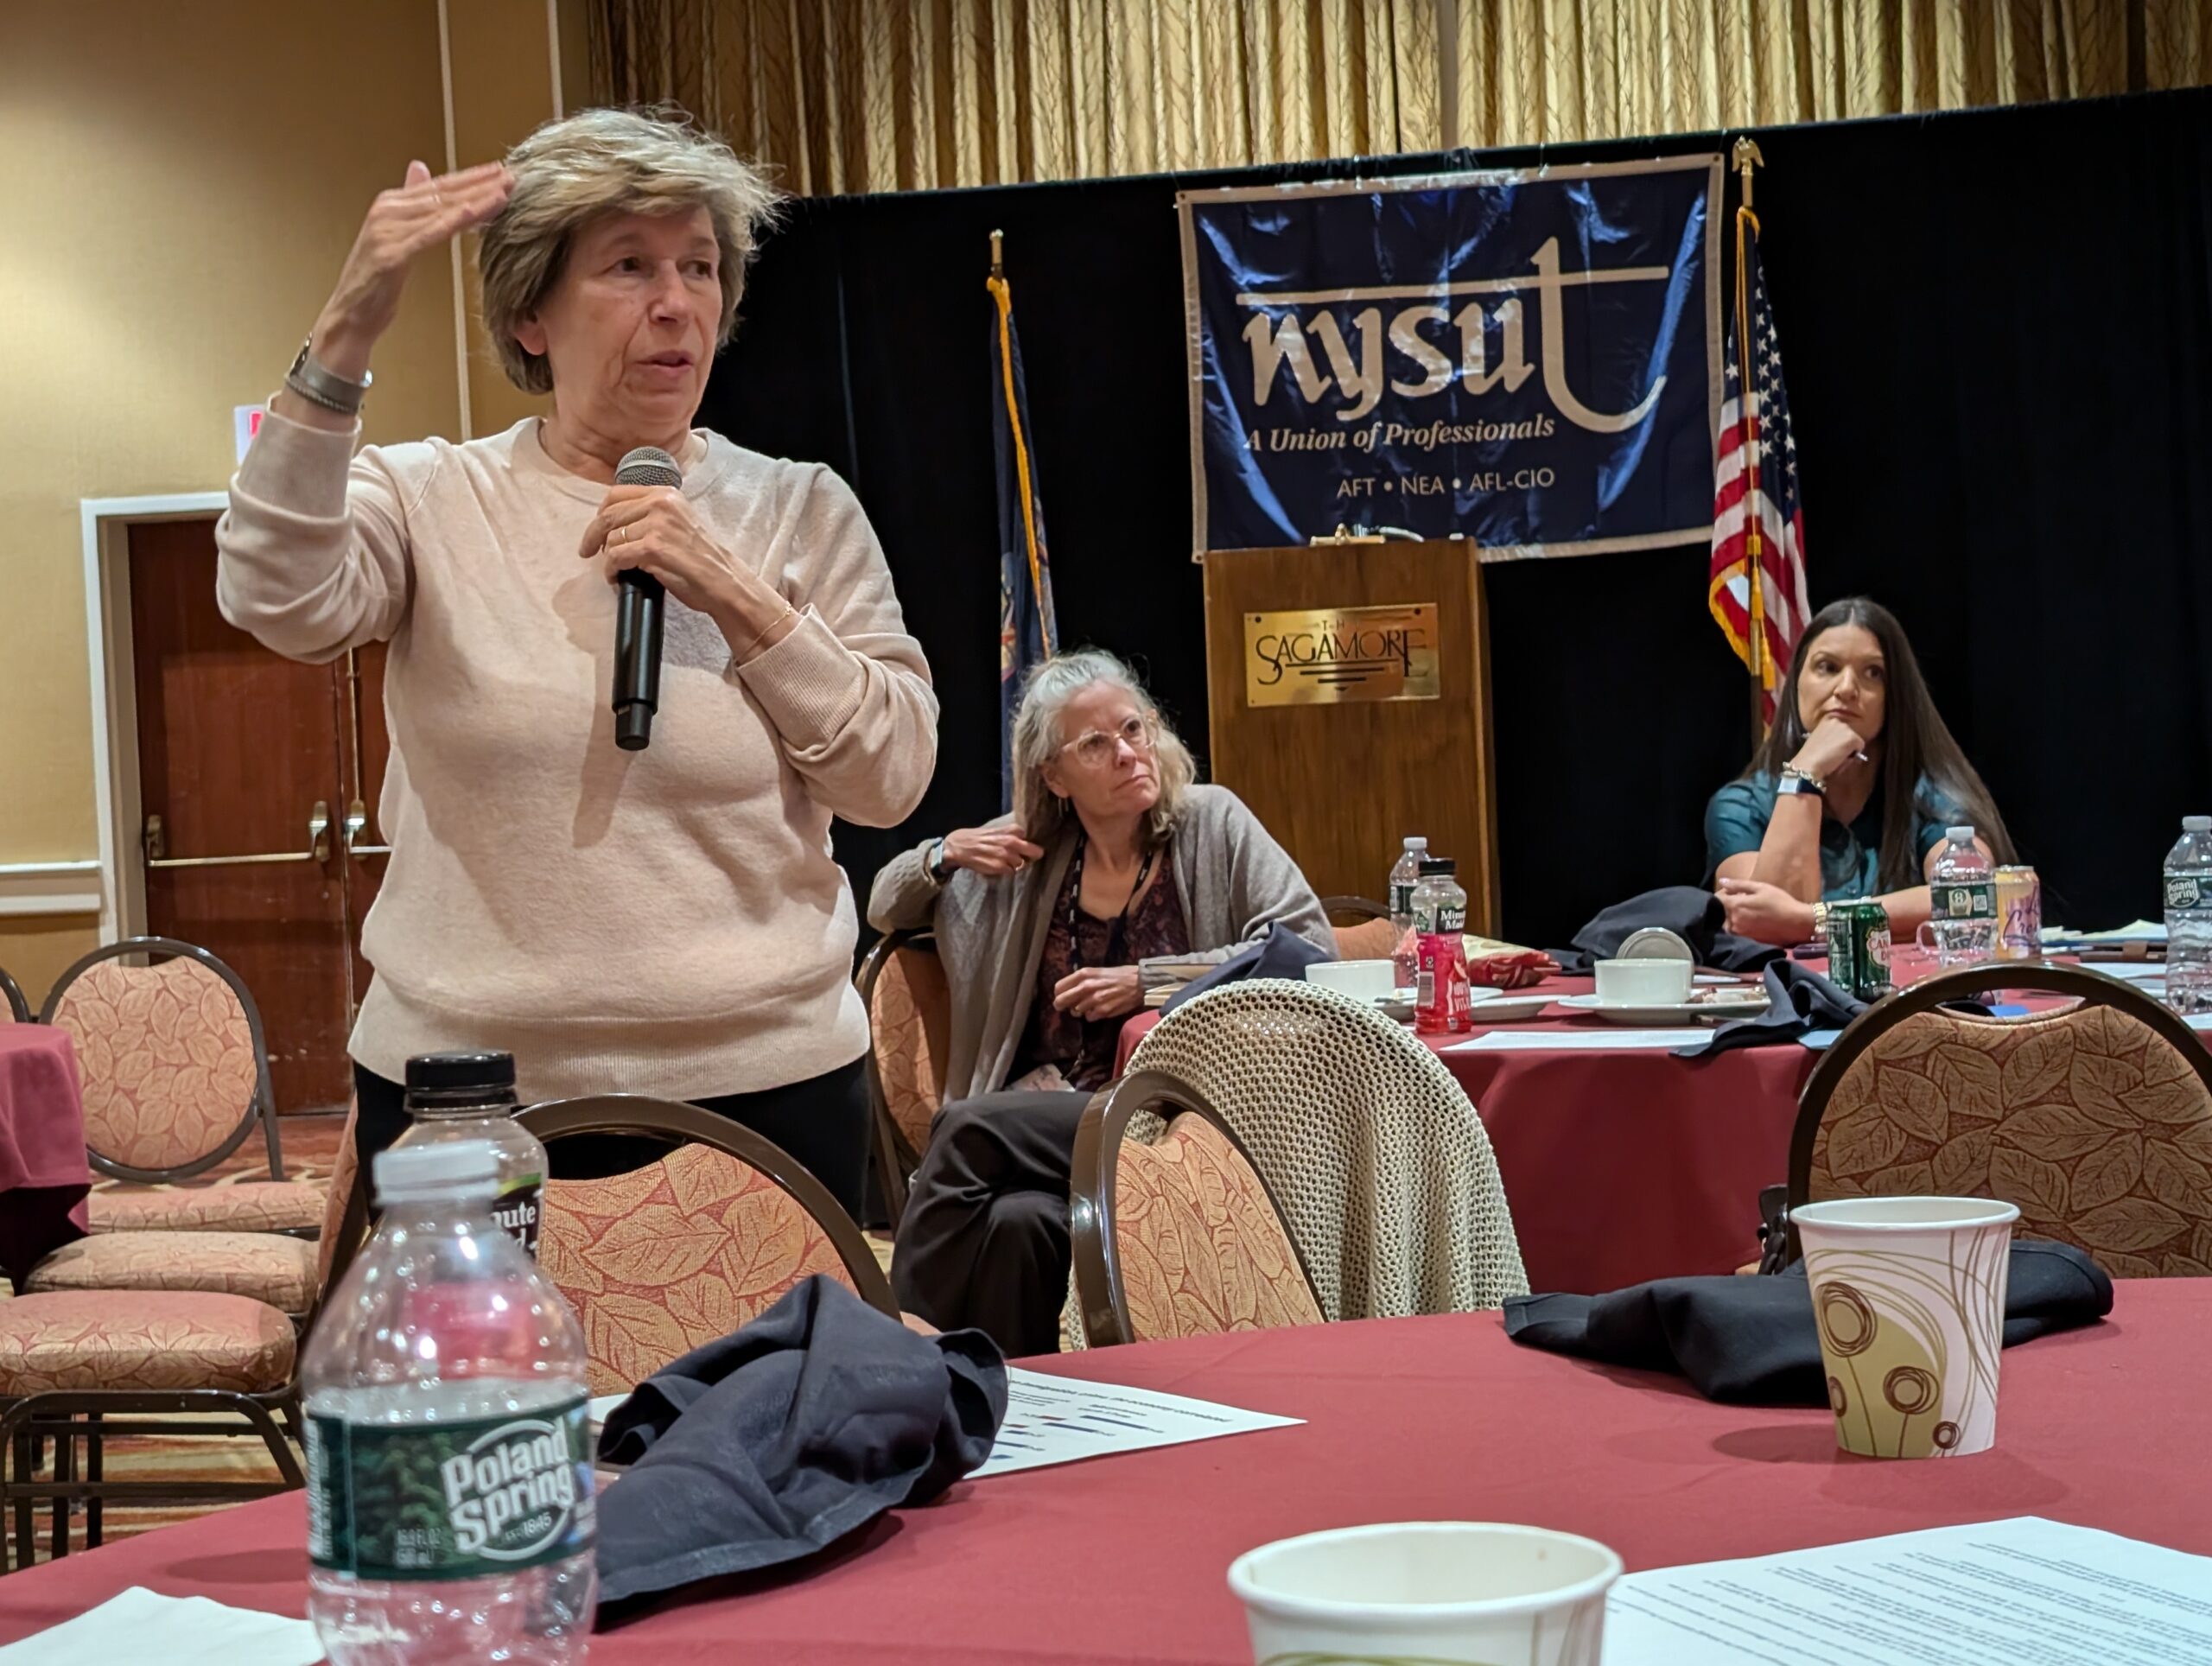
1123, 1559
43, 1176
1624, 1164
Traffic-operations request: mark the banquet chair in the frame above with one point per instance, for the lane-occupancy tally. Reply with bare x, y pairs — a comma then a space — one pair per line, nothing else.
682, 1251
14, 1009
1180, 1236
1380, 1167
176, 1075
902, 985
84, 1367
2095, 1118
1363, 927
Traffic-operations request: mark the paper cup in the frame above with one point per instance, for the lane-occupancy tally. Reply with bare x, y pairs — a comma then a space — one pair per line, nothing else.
1363, 980
1908, 1295
1644, 983
1440, 1593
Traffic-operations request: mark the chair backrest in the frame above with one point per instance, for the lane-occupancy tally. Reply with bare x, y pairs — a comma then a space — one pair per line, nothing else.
172, 1058
2095, 1118
1381, 1167
345, 1212
685, 1249
1363, 927
14, 1009
1181, 1236
910, 1016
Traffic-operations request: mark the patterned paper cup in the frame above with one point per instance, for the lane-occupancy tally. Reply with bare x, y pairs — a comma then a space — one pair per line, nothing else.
1426, 1594
1909, 1294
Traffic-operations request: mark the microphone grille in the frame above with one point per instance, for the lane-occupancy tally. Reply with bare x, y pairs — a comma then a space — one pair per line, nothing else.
648, 466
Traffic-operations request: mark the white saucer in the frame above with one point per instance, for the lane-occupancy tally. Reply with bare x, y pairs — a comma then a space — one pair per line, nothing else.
1752, 1003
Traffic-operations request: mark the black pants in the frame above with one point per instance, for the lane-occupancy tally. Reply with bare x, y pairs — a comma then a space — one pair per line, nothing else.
984, 1240
823, 1121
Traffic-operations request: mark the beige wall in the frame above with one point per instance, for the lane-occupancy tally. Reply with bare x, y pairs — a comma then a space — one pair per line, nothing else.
183, 182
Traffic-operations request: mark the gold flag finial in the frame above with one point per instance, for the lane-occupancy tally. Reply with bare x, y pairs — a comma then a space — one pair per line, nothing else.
998, 261
1744, 158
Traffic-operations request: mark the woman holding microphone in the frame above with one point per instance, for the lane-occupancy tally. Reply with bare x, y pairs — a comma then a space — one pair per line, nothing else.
666, 921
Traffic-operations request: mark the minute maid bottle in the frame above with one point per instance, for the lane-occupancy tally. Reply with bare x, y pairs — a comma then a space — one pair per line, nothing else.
449, 1484
471, 1095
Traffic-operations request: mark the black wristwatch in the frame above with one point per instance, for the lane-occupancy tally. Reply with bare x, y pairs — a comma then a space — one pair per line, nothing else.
936, 866
1793, 780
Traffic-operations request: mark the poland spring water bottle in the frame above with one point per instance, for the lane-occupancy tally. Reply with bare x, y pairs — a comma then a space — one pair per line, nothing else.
2189, 917
1405, 958
1962, 902
449, 1484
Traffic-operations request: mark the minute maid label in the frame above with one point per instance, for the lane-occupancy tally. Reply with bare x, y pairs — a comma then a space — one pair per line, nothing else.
449, 1501
519, 1209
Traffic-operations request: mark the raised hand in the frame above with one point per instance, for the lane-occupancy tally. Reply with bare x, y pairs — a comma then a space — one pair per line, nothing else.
421, 213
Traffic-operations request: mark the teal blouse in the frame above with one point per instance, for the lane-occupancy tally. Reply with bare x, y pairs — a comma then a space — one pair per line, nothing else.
1851, 854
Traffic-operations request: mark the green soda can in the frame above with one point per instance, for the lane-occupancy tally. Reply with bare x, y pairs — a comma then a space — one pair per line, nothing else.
1858, 948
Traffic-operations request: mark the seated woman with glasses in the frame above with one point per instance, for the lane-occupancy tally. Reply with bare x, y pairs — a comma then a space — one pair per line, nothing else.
1115, 873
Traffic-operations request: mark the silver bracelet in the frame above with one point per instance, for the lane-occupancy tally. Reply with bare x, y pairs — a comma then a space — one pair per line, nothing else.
325, 387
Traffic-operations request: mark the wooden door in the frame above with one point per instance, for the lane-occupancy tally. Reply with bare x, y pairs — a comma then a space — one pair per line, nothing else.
240, 773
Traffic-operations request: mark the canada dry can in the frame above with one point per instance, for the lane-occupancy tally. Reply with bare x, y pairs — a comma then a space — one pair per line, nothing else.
1858, 948
2019, 913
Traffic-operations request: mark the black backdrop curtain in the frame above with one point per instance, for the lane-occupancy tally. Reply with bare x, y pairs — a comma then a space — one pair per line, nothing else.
1997, 329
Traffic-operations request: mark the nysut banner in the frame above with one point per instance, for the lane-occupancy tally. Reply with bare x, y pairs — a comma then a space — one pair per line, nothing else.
1528, 358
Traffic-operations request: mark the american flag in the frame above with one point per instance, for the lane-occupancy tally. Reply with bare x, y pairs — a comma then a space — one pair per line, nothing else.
1763, 446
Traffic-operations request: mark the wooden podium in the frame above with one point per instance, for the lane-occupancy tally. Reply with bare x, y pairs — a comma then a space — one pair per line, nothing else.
1350, 689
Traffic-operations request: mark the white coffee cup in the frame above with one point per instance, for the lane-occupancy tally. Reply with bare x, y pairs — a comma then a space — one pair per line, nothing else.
1644, 983
1363, 980
1439, 1591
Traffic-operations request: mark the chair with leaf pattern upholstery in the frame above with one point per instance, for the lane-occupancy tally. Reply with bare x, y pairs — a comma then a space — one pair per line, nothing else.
1180, 1236
14, 1009
1363, 927
684, 1250
81, 1367
902, 985
2095, 1118
175, 1077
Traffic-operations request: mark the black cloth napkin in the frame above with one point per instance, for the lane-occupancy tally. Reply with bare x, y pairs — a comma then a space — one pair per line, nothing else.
1691, 915
1798, 999
1752, 1341
1283, 953
791, 1432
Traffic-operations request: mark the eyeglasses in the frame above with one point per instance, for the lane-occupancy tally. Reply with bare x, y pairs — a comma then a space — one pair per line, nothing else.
1097, 749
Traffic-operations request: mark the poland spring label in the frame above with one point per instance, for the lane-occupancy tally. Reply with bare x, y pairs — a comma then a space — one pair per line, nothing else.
449, 1501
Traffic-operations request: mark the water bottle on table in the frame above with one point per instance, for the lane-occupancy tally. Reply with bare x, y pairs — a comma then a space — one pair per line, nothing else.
1405, 958
450, 1515
2189, 917
1962, 903
459, 1097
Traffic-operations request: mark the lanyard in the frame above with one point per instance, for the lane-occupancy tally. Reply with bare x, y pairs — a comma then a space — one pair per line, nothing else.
1114, 935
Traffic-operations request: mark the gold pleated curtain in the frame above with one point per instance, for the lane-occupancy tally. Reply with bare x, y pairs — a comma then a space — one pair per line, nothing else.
885, 95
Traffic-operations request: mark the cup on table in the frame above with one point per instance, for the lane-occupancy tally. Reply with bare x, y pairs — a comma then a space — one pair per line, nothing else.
1433, 1592
1363, 980
1658, 982
1909, 1296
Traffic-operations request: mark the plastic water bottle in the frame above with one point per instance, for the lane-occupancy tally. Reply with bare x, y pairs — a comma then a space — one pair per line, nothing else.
2189, 917
458, 1096
1962, 902
1439, 919
450, 1515
1405, 958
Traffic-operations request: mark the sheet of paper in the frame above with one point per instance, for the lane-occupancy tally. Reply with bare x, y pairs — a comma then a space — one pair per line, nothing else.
141, 1624
1058, 1420
2135, 971
2140, 931
1544, 1040
2021, 1593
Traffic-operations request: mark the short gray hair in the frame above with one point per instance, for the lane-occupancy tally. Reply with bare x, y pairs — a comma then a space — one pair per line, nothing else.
1037, 740
607, 161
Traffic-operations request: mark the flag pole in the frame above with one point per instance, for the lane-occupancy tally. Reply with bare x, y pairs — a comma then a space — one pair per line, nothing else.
1745, 156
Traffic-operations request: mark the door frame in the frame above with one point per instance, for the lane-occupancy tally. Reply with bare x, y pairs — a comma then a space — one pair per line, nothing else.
117, 810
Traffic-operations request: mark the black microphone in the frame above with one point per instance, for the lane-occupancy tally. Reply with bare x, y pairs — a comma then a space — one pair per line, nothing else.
637, 617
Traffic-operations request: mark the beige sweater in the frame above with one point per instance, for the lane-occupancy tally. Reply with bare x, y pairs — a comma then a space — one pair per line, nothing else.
668, 921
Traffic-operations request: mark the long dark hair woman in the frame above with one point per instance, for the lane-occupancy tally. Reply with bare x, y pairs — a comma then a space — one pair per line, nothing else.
1853, 791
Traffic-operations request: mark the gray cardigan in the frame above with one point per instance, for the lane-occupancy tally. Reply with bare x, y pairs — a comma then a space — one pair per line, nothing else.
1234, 880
